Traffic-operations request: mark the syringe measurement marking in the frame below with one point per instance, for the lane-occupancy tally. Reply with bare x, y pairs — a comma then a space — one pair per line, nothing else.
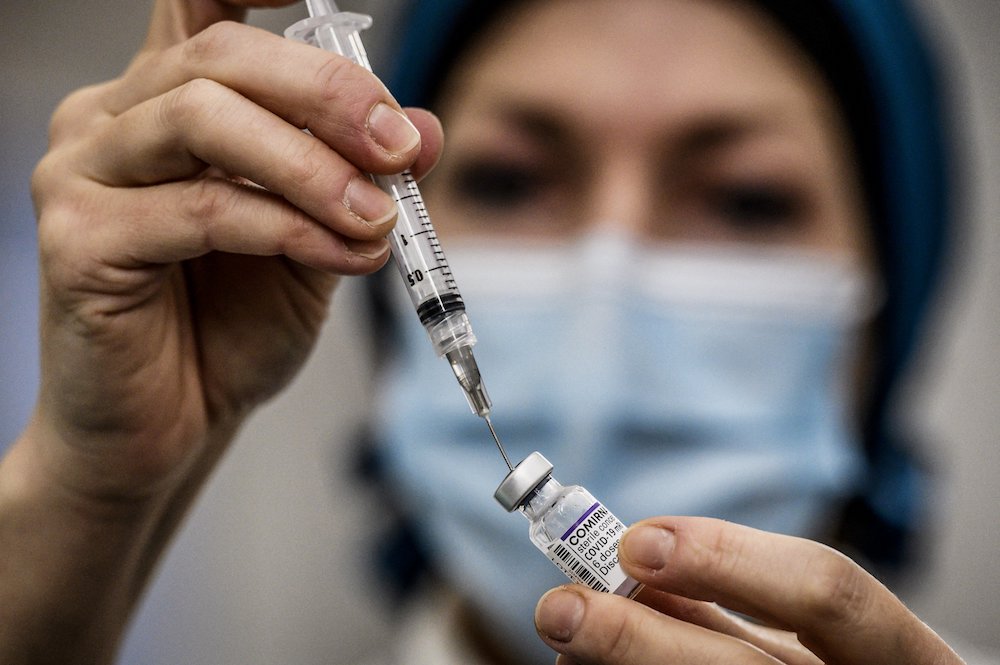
428, 230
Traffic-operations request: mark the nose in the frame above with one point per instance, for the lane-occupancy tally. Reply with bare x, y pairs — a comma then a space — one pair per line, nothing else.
622, 195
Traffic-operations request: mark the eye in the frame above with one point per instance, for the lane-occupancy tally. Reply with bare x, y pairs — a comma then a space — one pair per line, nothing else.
498, 185
758, 207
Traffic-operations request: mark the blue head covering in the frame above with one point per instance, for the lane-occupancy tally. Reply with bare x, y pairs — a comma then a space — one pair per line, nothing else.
878, 64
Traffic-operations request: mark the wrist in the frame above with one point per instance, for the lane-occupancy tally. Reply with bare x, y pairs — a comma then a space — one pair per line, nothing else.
70, 561
115, 472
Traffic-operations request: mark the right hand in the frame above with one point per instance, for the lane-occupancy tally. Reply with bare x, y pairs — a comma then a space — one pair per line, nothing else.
176, 295
807, 603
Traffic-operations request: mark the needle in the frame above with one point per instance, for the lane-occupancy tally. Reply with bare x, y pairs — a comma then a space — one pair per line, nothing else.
499, 445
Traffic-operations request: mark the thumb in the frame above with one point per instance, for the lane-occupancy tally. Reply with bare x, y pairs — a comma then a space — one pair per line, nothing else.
173, 21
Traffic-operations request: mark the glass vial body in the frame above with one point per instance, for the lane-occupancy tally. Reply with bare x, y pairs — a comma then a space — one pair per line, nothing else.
572, 528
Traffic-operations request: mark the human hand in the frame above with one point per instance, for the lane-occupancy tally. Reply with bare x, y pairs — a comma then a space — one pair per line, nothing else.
813, 605
176, 295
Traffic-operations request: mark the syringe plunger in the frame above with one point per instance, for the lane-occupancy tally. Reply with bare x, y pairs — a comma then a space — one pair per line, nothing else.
321, 7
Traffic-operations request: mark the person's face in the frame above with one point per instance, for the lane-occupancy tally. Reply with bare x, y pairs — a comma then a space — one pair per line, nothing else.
679, 120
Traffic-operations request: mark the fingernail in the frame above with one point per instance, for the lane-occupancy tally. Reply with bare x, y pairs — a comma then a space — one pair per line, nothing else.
558, 614
647, 546
368, 203
368, 249
391, 129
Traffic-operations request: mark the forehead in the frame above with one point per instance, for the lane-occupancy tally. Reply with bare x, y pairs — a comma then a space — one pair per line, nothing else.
652, 61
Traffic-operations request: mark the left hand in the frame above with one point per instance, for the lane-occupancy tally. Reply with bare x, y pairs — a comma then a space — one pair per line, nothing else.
812, 604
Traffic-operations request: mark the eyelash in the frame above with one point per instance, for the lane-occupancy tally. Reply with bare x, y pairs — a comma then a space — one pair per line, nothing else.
512, 188
755, 207
498, 185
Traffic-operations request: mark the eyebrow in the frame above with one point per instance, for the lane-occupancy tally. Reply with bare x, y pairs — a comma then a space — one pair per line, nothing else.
540, 124
723, 129
698, 135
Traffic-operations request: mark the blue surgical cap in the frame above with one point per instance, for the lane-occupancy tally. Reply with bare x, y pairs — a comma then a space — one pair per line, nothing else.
878, 63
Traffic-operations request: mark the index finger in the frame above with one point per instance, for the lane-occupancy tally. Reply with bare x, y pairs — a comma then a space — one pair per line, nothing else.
839, 611
341, 103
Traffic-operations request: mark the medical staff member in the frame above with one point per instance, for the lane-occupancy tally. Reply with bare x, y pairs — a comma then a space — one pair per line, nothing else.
700, 301
190, 234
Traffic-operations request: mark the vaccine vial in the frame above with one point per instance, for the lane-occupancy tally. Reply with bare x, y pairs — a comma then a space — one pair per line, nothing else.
572, 528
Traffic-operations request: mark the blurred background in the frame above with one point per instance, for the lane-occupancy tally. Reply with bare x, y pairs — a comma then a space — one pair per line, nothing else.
272, 564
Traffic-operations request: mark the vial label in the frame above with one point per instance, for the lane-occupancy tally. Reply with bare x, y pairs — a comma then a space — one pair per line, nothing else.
588, 551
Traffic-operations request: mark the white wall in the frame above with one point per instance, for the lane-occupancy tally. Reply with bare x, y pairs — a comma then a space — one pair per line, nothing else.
957, 397
269, 567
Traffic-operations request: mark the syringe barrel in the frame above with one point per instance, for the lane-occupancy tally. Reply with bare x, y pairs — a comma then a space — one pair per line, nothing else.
414, 243
424, 268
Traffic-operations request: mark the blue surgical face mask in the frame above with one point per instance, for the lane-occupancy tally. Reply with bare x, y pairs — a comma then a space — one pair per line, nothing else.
674, 380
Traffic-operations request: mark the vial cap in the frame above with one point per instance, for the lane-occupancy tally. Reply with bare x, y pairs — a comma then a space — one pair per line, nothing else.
520, 482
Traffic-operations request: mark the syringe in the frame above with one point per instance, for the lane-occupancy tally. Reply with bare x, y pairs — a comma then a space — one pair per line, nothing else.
414, 243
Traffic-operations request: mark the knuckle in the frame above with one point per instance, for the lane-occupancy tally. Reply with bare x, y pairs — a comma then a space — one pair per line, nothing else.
208, 201
297, 231
64, 203
186, 104
619, 637
308, 163
77, 109
341, 84
290, 224
335, 75
55, 224
48, 173
721, 551
212, 42
836, 589
63, 249
68, 111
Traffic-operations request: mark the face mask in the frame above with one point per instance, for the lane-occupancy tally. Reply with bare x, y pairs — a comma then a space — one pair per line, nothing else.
683, 380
